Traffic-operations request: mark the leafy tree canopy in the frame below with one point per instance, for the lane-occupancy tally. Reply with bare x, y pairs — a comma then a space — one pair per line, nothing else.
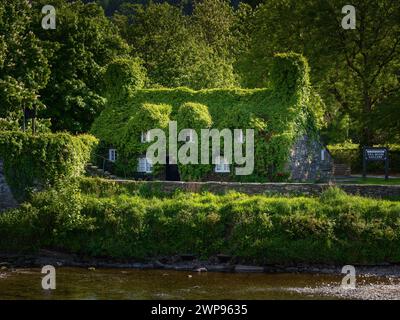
82, 44
24, 68
354, 70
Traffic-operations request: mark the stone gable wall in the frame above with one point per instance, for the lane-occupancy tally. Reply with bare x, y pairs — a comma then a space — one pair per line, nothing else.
6, 198
306, 163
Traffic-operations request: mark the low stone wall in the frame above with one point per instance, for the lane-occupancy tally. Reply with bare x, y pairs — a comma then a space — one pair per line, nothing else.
374, 191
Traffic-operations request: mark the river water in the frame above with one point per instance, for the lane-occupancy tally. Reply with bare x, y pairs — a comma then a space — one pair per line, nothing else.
80, 283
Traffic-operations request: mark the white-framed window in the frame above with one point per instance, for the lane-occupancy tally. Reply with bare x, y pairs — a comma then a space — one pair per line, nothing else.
145, 136
190, 136
322, 154
222, 165
144, 165
112, 155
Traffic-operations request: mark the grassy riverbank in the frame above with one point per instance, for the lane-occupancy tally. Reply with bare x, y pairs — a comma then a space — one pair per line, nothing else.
374, 181
332, 228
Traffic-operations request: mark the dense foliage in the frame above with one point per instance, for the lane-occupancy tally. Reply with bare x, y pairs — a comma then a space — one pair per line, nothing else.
203, 44
349, 153
193, 116
333, 228
278, 115
82, 44
122, 76
24, 66
175, 49
354, 70
42, 160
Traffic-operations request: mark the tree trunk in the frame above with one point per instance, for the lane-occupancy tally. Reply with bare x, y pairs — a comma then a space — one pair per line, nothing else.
367, 133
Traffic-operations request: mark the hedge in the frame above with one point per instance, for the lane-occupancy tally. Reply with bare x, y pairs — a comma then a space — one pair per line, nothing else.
333, 228
278, 115
42, 160
350, 154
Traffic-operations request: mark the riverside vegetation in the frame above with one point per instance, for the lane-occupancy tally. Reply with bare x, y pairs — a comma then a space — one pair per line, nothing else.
62, 210
107, 219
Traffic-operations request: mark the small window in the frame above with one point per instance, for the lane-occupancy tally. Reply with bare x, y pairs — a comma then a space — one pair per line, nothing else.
145, 137
112, 155
240, 137
144, 165
322, 154
222, 165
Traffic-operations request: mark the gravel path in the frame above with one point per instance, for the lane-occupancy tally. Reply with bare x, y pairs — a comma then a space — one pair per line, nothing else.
367, 288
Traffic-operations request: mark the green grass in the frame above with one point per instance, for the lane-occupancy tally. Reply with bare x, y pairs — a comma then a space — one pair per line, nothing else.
331, 228
378, 181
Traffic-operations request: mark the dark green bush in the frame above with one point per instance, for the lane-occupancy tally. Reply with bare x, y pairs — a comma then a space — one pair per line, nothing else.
42, 160
333, 228
18, 231
350, 154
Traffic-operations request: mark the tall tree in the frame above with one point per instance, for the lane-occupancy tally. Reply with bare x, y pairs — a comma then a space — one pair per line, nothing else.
354, 69
214, 22
24, 67
82, 44
173, 53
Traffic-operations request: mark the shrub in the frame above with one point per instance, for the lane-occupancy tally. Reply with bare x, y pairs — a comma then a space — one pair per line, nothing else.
350, 154
17, 230
42, 160
334, 228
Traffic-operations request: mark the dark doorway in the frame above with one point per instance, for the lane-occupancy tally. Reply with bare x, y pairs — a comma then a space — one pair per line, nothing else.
171, 172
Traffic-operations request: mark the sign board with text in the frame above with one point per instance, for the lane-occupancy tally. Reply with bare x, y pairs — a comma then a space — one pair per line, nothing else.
375, 154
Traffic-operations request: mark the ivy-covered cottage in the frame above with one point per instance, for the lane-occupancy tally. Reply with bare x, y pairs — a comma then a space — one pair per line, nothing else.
285, 117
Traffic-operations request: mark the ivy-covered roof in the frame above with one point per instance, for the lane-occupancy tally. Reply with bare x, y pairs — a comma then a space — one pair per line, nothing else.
283, 111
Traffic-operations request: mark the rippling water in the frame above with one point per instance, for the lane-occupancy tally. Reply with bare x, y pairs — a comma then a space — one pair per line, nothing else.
76, 283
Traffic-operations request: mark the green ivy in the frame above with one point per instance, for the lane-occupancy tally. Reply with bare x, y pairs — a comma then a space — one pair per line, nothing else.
147, 117
42, 160
122, 76
193, 116
278, 115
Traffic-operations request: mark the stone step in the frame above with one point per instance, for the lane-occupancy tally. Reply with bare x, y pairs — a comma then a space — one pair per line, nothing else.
96, 171
341, 169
